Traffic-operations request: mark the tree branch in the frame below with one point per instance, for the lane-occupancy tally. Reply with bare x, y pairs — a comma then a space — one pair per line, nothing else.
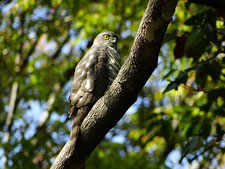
67, 38
133, 75
21, 63
51, 101
12, 105
24, 59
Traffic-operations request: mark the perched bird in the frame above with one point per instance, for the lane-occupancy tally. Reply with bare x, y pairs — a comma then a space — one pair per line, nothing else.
93, 76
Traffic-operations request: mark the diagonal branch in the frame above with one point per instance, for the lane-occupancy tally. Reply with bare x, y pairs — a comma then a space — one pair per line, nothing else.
21, 64
67, 38
51, 101
25, 59
133, 75
12, 107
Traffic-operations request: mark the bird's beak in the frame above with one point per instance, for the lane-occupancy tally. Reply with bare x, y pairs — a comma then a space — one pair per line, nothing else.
114, 40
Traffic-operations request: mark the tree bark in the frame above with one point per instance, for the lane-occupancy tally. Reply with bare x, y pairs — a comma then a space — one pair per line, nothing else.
133, 75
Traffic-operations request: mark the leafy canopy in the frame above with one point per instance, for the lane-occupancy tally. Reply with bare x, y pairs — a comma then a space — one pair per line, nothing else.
178, 118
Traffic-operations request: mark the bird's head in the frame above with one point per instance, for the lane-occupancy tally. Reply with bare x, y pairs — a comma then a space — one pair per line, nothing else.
107, 38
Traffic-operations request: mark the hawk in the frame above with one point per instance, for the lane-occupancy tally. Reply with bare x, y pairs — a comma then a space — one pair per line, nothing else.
93, 76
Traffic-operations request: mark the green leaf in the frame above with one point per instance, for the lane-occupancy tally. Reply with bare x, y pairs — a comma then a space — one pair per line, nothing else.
192, 143
196, 43
171, 86
200, 18
195, 38
221, 31
210, 33
170, 36
168, 74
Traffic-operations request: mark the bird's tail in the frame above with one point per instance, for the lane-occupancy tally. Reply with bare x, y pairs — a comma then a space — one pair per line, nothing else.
76, 123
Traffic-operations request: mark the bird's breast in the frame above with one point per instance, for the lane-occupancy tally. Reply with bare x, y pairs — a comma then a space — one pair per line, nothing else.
114, 64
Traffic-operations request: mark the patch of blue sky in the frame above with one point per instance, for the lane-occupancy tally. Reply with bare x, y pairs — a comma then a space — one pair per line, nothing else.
5, 8
222, 143
125, 34
82, 45
66, 49
55, 116
40, 13
173, 158
120, 137
2, 157
67, 88
16, 23
33, 116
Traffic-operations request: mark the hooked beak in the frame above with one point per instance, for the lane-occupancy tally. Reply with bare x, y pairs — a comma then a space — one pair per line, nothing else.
114, 40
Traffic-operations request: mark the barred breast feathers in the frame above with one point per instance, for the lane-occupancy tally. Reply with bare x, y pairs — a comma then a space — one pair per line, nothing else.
114, 64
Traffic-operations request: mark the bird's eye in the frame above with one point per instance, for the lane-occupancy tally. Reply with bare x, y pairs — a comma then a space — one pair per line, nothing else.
106, 37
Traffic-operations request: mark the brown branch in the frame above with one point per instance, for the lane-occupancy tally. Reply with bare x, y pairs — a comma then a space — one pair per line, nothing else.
24, 60
12, 106
51, 101
21, 62
66, 39
12, 102
133, 75
212, 3
41, 126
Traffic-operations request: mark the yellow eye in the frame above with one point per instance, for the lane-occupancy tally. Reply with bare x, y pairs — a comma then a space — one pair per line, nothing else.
106, 37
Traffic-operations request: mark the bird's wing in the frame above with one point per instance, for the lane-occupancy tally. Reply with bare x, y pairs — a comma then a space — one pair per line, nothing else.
87, 85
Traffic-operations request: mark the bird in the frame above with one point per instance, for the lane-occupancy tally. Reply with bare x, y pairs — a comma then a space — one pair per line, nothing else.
93, 76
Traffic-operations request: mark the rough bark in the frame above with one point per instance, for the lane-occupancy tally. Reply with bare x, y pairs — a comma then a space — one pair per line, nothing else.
133, 75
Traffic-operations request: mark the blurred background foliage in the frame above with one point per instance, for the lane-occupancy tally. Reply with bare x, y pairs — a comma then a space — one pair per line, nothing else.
178, 120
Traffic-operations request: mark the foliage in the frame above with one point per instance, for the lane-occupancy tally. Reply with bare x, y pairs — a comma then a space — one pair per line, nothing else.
41, 42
